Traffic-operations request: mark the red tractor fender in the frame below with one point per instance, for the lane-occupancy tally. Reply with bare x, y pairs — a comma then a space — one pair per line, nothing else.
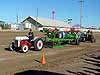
24, 42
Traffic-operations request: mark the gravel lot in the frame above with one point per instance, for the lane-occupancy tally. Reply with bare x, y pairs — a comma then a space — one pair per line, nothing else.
70, 60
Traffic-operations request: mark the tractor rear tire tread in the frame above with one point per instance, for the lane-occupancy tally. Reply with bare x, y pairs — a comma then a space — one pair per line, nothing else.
36, 42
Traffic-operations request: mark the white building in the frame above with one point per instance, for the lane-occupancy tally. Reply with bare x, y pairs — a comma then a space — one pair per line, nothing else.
31, 22
13, 26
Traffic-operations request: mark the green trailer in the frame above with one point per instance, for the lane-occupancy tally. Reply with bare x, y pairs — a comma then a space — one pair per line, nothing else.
60, 38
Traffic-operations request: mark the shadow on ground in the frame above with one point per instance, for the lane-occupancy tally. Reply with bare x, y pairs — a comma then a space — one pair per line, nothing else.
36, 72
7, 49
94, 61
18, 50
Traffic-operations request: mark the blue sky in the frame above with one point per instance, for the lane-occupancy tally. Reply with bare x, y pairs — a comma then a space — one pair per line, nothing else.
64, 9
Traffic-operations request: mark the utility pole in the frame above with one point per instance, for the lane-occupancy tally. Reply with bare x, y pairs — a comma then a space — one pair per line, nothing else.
17, 18
36, 18
81, 11
37, 14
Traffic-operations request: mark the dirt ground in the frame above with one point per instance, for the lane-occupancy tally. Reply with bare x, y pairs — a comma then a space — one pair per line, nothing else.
83, 59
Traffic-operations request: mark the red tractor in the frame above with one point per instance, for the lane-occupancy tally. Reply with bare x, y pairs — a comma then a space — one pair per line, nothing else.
23, 44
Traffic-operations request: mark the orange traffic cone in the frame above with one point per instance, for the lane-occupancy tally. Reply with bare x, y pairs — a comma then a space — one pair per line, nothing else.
43, 59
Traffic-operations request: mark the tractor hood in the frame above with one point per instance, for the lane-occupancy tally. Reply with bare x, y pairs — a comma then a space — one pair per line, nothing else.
21, 38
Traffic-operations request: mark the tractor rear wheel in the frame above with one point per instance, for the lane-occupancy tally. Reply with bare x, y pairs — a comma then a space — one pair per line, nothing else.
38, 44
24, 48
83, 39
93, 40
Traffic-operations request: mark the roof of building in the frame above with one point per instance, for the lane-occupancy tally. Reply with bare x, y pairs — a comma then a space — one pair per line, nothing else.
76, 26
49, 22
2, 22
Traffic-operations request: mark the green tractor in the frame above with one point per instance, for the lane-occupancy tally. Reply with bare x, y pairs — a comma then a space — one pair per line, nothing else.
60, 38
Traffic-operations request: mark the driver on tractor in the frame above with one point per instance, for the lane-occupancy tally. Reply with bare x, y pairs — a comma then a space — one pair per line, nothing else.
30, 35
89, 32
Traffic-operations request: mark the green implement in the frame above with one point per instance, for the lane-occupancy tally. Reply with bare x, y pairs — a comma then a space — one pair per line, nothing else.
57, 38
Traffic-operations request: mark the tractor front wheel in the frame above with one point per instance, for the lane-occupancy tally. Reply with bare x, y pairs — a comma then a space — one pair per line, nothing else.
12, 47
24, 48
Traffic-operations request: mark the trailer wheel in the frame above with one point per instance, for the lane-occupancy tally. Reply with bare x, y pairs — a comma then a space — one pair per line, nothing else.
24, 48
50, 44
38, 44
12, 47
77, 42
